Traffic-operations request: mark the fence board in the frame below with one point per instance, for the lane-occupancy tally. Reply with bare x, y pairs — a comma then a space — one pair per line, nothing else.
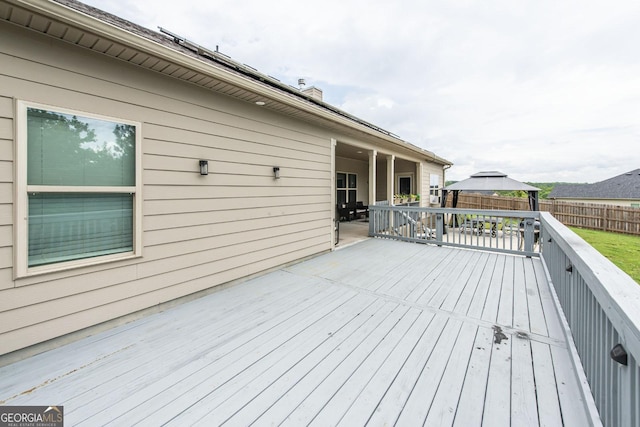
617, 219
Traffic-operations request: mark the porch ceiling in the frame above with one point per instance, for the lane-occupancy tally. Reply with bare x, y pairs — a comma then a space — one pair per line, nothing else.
352, 152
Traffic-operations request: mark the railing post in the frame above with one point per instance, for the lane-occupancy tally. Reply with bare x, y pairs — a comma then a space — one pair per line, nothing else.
439, 226
372, 221
528, 235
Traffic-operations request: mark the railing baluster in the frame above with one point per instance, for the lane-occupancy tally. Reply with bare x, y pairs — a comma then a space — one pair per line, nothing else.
452, 227
599, 312
600, 304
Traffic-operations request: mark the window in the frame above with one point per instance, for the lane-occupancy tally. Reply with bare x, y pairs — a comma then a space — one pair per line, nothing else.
404, 185
434, 188
347, 187
78, 189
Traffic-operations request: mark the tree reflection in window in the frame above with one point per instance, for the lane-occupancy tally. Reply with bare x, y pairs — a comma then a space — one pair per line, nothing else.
71, 150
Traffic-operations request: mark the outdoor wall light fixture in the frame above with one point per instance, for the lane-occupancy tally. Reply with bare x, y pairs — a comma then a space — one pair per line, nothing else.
619, 354
276, 172
204, 167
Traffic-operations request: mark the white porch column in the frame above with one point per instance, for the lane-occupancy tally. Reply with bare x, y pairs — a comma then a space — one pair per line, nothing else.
390, 178
419, 187
373, 158
333, 194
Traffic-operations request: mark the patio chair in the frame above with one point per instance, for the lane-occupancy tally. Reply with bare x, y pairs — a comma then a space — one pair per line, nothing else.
352, 209
362, 209
343, 212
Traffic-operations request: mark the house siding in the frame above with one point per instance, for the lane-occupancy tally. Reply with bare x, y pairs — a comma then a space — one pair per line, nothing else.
6, 192
429, 169
198, 232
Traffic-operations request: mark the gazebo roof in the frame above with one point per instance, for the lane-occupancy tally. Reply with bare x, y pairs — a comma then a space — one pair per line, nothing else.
490, 181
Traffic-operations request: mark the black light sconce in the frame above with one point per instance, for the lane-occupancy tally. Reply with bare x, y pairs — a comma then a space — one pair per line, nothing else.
619, 354
276, 172
204, 167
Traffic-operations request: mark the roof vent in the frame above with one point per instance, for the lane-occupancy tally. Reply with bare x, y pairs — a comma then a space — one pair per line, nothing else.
301, 83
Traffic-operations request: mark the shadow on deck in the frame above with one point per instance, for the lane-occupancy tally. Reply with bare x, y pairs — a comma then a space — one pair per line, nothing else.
381, 333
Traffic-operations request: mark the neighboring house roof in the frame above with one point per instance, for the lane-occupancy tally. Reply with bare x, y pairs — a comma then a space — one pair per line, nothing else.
625, 186
490, 181
177, 57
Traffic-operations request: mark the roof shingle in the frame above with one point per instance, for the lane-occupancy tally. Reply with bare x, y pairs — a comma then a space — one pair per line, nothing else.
625, 186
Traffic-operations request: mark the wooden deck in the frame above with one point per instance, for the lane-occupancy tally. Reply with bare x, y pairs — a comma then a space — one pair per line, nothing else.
378, 333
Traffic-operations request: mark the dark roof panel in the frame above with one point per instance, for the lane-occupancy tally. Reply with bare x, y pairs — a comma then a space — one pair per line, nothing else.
490, 181
625, 186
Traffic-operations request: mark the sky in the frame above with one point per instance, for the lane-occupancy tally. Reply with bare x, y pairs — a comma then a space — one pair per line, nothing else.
541, 90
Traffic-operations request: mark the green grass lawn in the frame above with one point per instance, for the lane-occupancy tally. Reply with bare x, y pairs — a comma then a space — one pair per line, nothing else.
621, 249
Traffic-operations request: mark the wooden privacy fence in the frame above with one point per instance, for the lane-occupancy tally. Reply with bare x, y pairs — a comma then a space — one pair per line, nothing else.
618, 219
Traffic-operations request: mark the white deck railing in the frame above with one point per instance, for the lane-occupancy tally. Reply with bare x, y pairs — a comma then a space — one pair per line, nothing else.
602, 308
601, 303
499, 231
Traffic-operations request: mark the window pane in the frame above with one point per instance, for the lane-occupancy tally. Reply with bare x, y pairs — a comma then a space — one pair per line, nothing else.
342, 197
405, 185
352, 196
72, 150
352, 181
341, 180
64, 227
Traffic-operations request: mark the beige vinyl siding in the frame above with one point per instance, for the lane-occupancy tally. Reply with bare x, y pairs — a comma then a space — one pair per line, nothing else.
198, 231
361, 169
381, 179
6, 192
429, 169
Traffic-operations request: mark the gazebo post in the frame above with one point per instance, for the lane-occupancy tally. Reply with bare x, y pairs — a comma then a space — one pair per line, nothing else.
443, 202
533, 201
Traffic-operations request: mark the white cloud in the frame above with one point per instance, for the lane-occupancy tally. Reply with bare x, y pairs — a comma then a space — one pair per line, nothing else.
541, 90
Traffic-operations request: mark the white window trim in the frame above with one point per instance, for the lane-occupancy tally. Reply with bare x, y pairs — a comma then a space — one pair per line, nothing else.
347, 188
409, 175
21, 268
435, 198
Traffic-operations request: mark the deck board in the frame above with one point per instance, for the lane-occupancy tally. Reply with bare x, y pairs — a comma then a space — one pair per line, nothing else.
445, 403
378, 333
497, 404
546, 388
524, 409
470, 409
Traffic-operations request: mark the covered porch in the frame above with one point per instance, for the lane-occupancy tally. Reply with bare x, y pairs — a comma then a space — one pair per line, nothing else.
370, 175
381, 332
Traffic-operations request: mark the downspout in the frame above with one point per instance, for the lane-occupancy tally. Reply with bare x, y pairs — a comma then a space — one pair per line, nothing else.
443, 200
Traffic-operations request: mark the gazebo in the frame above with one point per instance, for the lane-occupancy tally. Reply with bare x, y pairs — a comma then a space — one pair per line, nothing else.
490, 181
